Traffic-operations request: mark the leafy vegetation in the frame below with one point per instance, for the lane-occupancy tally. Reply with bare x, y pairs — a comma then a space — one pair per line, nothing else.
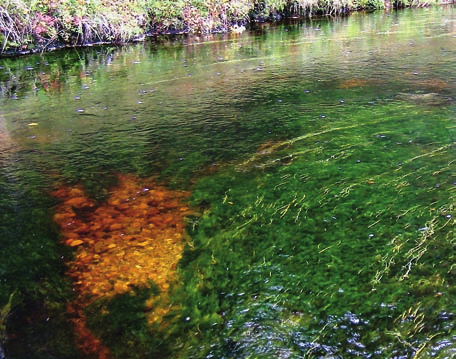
40, 25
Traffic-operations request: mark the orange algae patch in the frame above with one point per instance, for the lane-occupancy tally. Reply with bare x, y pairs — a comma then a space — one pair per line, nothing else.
137, 236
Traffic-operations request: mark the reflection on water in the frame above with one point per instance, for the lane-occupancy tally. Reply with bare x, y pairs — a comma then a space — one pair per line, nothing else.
317, 160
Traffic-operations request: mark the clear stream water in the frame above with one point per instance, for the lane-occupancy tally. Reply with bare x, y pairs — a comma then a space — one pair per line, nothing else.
321, 165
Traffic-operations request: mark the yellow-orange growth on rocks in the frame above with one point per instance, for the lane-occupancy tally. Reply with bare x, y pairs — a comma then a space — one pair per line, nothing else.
137, 236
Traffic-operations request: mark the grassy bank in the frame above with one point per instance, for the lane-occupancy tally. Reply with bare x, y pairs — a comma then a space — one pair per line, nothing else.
40, 25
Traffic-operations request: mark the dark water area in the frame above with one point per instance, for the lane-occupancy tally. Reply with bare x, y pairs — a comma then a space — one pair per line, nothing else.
305, 173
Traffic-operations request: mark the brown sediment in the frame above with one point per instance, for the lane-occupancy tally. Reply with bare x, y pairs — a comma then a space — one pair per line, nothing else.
134, 238
352, 83
434, 85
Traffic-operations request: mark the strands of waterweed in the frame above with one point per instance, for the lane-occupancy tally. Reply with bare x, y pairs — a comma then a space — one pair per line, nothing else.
342, 218
260, 159
5, 313
332, 192
412, 321
415, 254
431, 153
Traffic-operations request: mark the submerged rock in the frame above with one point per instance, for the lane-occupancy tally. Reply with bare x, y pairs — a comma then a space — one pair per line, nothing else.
427, 99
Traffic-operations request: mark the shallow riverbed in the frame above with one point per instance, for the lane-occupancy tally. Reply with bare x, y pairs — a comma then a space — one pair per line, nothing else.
282, 193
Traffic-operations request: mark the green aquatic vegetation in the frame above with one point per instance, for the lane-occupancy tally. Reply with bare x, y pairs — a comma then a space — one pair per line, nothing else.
32, 268
345, 250
323, 238
121, 324
5, 313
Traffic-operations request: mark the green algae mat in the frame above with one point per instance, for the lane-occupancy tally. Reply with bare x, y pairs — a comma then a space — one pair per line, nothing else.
338, 243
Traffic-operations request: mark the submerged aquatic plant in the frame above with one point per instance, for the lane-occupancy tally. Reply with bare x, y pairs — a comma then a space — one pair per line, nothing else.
5, 313
325, 254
